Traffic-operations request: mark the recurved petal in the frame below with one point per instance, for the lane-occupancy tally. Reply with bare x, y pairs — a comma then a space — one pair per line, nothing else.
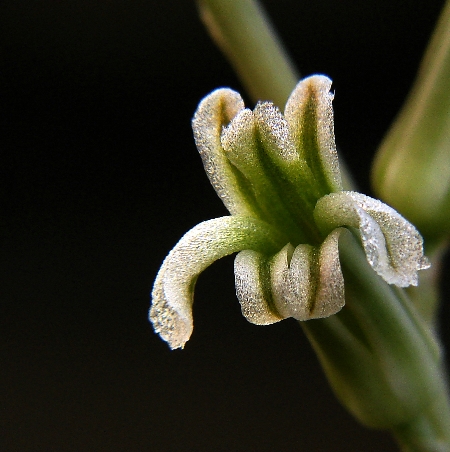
172, 295
393, 246
172, 321
309, 112
214, 113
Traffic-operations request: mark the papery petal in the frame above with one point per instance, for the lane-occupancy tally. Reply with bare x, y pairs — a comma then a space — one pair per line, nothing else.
310, 284
214, 112
309, 113
252, 278
172, 295
393, 246
303, 283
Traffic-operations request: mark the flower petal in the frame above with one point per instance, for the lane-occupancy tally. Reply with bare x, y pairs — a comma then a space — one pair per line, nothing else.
172, 295
309, 113
304, 283
215, 112
309, 284
243, 148
251, 273
393, 246
289, 168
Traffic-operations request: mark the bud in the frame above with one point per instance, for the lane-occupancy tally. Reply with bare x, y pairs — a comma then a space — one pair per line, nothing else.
412, 167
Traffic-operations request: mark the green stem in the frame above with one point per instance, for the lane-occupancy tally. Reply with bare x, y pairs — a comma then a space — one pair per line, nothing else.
429, 432
243, 32
381, 360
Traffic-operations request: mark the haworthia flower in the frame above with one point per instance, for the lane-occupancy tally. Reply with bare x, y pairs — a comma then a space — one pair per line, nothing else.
278, 175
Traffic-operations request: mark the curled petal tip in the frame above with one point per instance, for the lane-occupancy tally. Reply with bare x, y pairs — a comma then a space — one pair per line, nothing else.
393, 246
173, 291
168, 324
173, 324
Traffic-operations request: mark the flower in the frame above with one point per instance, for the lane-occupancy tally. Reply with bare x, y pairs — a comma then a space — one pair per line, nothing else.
278, 175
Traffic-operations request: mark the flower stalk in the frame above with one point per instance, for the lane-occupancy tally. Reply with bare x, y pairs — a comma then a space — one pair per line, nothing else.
244, 34
279, 177
379, 322
307, 248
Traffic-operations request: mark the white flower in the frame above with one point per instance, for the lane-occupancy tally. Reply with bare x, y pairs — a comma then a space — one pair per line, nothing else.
279, 178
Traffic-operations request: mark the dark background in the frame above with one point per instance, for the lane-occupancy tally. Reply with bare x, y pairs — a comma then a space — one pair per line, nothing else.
99, 179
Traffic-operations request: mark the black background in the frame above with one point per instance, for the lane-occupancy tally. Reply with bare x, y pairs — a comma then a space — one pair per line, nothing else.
99, 179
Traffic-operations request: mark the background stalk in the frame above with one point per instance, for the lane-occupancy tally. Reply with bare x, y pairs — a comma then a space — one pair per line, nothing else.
411, 171
243, 32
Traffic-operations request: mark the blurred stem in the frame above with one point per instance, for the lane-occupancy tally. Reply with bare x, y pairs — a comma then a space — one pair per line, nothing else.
243, 32
429, 432
382, 362
426, 296
411, 171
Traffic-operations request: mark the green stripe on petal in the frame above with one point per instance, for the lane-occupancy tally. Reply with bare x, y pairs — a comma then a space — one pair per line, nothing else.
173, 291
278, 140
244, 150
289, 171
309, 113
393, 246
215, 112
